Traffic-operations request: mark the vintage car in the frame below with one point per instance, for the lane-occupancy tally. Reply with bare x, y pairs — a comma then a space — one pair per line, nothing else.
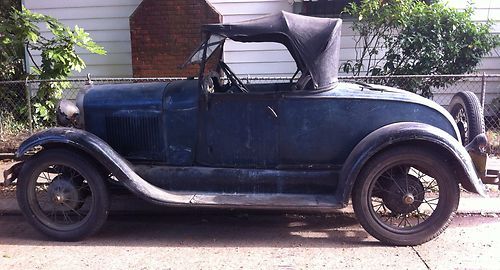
309, 144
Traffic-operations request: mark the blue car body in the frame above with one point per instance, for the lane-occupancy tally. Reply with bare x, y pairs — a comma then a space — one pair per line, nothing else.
216, 142
292, 138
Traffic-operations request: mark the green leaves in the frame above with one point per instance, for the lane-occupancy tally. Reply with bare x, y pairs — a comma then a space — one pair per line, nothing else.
57, 52
402, 37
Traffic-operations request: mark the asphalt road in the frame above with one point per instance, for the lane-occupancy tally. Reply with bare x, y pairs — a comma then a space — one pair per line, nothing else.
242, 240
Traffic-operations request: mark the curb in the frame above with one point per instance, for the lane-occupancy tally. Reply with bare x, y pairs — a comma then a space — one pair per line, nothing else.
8, 156
478, 205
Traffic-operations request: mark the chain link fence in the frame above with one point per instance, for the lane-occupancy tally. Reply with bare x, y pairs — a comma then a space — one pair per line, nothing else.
18, 106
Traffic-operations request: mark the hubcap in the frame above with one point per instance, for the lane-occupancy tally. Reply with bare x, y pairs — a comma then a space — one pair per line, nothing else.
59, 198
404, 194
408, 199
63, 192
460, 117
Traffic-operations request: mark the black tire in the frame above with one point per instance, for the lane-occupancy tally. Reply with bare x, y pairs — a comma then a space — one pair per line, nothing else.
63, 194
467, 112
393, 179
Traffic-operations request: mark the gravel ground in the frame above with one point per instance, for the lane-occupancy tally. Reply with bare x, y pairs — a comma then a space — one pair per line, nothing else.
10, 142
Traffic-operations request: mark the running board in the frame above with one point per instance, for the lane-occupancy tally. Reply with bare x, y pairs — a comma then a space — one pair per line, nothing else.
145, 190
266, 201
156, 195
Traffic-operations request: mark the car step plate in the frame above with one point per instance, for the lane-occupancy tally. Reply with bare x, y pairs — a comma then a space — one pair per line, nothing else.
267, 200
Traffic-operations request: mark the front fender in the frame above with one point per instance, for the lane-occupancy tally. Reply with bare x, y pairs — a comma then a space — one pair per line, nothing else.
406, 132
105, 155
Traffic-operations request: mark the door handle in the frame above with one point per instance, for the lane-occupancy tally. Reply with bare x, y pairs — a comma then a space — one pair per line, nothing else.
272, 111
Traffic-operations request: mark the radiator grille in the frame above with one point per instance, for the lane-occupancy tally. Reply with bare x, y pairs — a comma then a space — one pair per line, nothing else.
135, 136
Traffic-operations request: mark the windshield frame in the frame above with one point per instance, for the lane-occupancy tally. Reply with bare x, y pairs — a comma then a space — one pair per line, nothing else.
201, 53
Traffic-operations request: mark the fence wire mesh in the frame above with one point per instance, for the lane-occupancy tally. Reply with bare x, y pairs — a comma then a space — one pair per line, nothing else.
19, 111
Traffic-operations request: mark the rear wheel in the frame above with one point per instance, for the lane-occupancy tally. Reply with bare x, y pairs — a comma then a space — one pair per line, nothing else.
62, 194
465, 109
405, 196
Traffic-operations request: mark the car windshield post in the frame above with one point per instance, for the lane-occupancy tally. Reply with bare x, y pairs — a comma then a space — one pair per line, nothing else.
202, 63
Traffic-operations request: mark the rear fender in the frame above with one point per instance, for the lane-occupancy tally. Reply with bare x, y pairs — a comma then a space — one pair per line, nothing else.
407, 132
106, 156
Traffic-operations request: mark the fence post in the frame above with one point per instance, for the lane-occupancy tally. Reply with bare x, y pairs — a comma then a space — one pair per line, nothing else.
1, 124
483, 90
28, 101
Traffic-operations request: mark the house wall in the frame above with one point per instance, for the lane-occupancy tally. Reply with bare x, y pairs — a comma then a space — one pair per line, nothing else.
107, 21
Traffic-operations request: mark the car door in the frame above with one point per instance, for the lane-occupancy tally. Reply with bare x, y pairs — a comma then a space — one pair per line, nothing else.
311, 133
320, 129
239, 130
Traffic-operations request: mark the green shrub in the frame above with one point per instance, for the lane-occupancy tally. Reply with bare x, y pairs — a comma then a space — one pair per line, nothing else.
410, 37
58, 55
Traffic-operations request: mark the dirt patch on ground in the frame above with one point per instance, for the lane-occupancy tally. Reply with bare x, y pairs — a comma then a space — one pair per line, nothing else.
10, 142
7, 192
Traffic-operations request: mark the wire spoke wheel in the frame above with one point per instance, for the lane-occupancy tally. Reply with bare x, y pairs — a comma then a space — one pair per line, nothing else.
62, 194
61, 197
406, 196
403, 198
460, 118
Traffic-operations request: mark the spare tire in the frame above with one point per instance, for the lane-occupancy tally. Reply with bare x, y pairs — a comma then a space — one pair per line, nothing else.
467, 112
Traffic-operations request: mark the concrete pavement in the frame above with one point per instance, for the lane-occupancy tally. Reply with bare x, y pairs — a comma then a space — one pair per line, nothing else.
253, 241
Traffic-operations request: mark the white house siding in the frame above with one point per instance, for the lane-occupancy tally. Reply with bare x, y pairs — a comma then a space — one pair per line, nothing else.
107, 21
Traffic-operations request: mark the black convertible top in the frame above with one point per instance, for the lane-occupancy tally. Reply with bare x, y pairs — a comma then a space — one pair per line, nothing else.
313, 42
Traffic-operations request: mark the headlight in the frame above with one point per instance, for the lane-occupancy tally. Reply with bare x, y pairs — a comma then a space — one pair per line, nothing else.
67, 114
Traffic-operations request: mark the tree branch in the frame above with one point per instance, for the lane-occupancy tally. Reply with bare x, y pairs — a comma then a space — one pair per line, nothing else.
31, 57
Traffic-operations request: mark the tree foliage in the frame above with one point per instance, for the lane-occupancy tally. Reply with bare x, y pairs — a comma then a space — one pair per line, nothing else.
410, 37
11, 57
20, 31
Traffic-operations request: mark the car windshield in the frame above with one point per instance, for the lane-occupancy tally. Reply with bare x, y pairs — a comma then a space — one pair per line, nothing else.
212, 44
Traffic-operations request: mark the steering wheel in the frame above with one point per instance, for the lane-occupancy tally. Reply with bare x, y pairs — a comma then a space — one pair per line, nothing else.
232, 78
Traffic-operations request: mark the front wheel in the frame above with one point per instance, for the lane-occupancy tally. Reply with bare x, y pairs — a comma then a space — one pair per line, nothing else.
62, 194
406, 196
